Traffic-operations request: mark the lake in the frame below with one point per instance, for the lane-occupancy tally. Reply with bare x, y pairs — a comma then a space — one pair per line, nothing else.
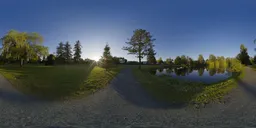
204, 75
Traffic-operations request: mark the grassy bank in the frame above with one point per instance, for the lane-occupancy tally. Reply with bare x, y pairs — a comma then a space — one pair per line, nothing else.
171, 90
55, 82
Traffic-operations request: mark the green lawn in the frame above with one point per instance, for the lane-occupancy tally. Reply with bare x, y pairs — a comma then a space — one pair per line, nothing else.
171, 90
57, 82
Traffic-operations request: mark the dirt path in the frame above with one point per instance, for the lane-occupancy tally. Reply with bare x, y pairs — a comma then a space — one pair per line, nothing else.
125, 104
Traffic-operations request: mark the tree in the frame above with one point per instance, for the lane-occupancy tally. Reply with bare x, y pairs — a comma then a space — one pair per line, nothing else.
254, 59
106, 59
60, 51
160, 60
77, 51
50, 60
139, 44
177, 60
151, 55
243, 56
184, 60
168, 61
23, 46
190, 61
201, 59
67, 52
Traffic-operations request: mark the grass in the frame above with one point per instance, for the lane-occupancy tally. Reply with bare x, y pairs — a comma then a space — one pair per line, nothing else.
167, 89
57, 82
254, 67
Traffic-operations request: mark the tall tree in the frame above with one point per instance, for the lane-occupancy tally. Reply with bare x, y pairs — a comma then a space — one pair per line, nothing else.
77, 51
243, 55
67, 52
60, 51
201, 59
23, 46
151, 55
139, 44
106, 59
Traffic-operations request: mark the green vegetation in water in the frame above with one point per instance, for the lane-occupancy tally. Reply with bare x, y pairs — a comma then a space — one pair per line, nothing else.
57, 82
167, 89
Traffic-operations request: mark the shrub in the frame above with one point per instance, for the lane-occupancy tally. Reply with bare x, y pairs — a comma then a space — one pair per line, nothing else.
50, 60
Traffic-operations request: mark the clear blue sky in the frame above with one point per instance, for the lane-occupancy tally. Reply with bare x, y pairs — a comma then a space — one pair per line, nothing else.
189, 27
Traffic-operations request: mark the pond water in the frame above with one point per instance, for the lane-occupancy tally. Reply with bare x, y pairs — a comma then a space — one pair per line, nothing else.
198, 75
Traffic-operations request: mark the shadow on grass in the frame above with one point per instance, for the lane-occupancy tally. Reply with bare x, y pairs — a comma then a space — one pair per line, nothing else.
130, 90
45, 83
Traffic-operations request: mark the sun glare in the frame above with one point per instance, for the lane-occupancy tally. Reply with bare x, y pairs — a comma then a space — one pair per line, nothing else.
96, 58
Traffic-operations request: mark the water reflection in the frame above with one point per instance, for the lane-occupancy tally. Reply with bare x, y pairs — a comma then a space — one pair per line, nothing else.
206, 75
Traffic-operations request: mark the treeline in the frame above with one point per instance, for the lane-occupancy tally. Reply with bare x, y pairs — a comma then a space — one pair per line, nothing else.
65, 54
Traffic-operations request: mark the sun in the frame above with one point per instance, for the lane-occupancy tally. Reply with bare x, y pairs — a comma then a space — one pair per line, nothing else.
96, 58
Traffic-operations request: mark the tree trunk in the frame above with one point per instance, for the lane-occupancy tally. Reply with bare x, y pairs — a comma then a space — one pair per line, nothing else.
139, 60
21, 62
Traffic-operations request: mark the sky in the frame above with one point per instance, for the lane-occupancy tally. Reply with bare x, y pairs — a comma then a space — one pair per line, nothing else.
180, 27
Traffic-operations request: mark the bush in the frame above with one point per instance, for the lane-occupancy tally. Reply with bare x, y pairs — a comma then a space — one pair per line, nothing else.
50, 60
235, 65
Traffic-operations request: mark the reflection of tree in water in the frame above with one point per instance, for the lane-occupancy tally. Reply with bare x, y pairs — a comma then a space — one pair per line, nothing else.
181, 72
221, 70
153, 71
177, 72
190, 70
212, 71
169, 70
200, 71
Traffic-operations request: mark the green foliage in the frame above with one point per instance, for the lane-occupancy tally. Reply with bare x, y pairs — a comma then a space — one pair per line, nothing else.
106, 60
235, 65
177, 60
201, 60
184, 60
50, 60
169, 61
151, 55
160, 61
139, 44
254, 59
243, 56
77, 51
119, 60
67, 52
23, 46
60, 53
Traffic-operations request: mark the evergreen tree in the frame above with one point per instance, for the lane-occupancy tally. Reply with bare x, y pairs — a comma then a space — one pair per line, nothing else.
243, 55
60, 52
77, 51
67, 52
151, 55
106, 59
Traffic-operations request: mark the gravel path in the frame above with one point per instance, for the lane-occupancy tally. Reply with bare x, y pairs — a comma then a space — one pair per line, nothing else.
125, 104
